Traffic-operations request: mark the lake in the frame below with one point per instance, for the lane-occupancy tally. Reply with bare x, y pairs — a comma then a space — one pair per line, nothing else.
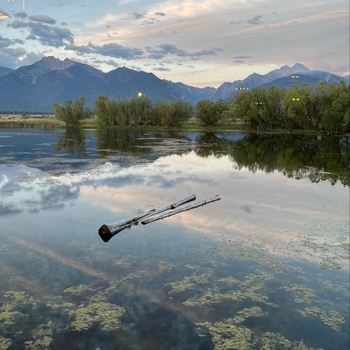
265, 267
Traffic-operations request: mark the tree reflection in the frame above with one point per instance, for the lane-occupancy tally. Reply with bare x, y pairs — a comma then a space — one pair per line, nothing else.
211, 143
73, 141
296, 156
318, 158
110, 141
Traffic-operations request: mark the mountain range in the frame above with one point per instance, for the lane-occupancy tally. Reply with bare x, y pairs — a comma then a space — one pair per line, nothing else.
35, 88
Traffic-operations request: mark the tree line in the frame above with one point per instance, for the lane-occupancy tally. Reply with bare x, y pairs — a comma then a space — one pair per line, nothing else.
325, 106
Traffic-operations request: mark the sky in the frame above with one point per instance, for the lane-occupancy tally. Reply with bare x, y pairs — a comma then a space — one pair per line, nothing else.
196, 42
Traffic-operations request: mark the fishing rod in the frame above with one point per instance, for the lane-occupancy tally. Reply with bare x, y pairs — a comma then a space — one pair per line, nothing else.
107, 231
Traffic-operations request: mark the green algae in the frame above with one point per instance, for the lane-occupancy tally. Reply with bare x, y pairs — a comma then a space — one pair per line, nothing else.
95, 309
254, 311
15, 311
330, 263
310, 311
333, 320
181, 286
302, 294
81, 289
85, 306
227, 335
271, 340
88, 305
163, 266
41, 340
104, 313
275, 264
346, 247
252, 287
5, 343
17, 306
11, 309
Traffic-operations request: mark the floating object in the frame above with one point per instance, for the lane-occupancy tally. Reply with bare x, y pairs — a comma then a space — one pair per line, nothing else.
107, 231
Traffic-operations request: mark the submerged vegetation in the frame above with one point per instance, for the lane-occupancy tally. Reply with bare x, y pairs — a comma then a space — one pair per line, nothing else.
117, 310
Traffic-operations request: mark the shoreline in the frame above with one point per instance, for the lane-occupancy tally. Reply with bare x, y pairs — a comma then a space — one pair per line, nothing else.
49, 121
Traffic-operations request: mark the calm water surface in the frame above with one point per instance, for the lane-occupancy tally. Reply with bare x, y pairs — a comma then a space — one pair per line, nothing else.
267, 267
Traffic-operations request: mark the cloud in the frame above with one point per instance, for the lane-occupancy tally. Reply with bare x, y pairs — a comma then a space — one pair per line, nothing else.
255, 20
6, 210
247, 208
119, 51
58, 195
17, 52
42, 19
112, 50
18, 24
21, 15
80, 49
45, 34
162, 69
163, 50
5, 42
240, 59
111, 63
138, 15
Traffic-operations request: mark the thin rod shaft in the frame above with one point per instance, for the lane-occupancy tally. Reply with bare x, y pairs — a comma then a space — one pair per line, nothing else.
180, 210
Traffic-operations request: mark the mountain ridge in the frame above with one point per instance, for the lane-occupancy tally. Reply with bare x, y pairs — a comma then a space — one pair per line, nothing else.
36, 87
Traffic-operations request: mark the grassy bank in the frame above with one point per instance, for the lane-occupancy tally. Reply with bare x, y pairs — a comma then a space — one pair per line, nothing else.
49, 122
29, 121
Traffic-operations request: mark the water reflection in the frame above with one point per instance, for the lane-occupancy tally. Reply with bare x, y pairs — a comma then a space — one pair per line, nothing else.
267, 267
72, 141
296, 156
317, 158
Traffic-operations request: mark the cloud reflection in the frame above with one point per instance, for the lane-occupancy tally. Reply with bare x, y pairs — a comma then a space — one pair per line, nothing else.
267, 211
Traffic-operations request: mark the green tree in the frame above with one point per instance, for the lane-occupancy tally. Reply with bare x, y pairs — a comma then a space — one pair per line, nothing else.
111, 112
272, 111
71, 112
140, 110
167, 113
209, 113
248, 105
336, 116
103, 111
145, 109
205, 112
183, 112
335, 106
301, 105
171, 114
